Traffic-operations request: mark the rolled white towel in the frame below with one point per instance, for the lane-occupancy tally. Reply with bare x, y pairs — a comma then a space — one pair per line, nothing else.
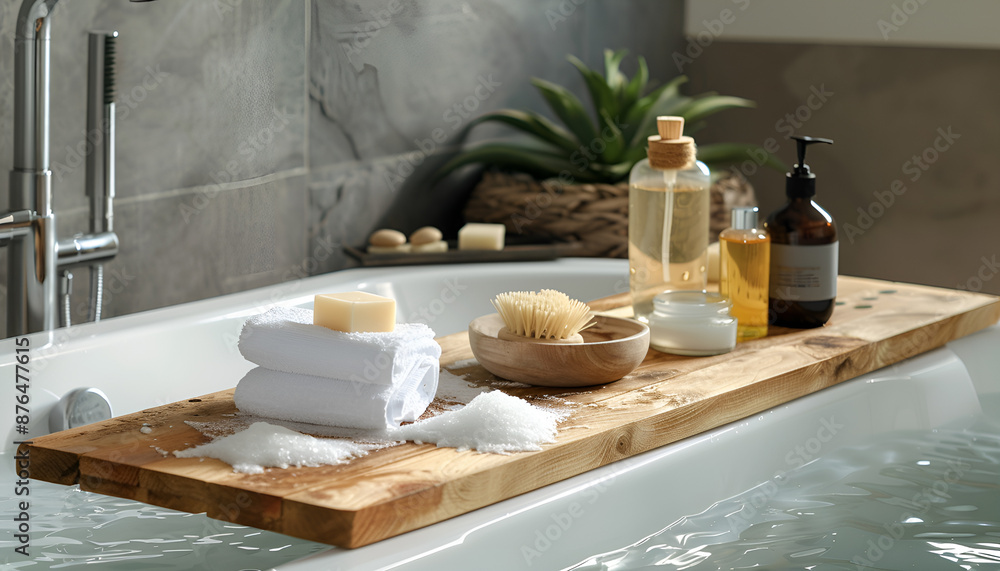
285, 339
333, 402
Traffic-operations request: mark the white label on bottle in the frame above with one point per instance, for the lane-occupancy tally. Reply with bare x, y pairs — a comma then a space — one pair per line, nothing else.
803, 273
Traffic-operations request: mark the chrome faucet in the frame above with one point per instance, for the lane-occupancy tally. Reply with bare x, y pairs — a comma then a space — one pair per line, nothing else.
28, 230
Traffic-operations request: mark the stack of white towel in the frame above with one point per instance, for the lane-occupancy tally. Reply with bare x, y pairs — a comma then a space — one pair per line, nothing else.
312, 374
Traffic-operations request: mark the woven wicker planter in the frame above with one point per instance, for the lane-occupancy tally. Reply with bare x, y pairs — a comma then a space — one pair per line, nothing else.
596, 215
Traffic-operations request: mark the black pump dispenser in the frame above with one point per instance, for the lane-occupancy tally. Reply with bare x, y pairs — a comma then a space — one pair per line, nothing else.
804, 252
801, 183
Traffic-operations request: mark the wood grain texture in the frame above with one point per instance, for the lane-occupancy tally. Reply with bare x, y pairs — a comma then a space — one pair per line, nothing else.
394, 490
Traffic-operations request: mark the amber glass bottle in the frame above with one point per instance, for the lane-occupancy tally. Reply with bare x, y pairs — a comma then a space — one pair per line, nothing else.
745, 260
804, 252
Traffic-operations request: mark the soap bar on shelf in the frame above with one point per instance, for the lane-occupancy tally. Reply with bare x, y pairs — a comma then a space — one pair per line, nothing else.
354, 312
401, 249
425, 235
477, 236
432, 247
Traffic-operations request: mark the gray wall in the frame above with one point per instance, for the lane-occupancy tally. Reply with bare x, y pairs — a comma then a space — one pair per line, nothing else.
882, 106
256, 137
211, 143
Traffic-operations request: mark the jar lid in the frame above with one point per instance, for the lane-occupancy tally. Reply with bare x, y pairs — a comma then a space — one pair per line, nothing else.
691, 303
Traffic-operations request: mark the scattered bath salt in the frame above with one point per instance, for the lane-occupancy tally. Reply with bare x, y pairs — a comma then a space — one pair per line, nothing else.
266, 445
501, 384
453, 389
145, 429
162, 452
464, 363
371, 438
493, 422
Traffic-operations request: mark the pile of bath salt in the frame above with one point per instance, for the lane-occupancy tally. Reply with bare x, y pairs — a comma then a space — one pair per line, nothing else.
492, 422
266, 445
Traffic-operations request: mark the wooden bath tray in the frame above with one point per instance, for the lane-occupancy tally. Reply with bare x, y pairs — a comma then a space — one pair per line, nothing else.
406, 487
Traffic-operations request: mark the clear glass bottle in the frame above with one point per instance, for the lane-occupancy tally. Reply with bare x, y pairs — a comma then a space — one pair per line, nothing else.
745, 259
668, 220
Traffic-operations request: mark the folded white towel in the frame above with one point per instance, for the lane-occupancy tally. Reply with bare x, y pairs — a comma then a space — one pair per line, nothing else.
284, 339
332, 402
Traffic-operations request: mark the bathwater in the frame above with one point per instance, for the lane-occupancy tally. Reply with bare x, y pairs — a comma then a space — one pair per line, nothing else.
915, 500
72, 529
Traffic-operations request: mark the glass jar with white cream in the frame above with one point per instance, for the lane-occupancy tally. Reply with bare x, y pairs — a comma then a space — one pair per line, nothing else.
694, 323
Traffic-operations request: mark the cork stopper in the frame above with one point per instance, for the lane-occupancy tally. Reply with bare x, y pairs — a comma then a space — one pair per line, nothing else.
670, 127
671, 149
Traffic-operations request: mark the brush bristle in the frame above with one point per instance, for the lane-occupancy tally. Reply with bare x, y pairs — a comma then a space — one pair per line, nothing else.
547, 314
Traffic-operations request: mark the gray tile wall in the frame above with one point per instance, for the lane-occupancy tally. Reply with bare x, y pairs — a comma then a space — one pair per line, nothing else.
256, 137
882, 106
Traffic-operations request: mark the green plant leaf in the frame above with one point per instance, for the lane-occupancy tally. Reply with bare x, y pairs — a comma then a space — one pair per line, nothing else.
611, 173
519, 157
624, 116
662, 101
568, 108
616, 80
709, 104
600, 93
611, 135
533, 124
722, 154
635, 87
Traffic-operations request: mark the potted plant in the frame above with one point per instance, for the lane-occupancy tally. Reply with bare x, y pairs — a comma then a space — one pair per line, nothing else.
569, 181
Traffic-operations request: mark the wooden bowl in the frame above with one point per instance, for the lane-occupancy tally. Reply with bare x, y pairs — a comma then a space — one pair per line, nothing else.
611, 349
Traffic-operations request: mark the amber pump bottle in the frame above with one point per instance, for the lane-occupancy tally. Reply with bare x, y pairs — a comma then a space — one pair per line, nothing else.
804, 252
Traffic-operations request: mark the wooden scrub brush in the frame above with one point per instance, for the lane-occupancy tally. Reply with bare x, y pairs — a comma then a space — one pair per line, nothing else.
547, 316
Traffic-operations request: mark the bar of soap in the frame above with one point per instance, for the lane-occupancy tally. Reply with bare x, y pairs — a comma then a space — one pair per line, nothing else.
425, 235
387, 238
477, 236
401, 249
354, 311
435, 247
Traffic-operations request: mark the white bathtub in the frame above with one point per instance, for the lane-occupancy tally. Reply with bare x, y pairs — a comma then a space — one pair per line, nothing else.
166, 355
